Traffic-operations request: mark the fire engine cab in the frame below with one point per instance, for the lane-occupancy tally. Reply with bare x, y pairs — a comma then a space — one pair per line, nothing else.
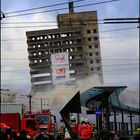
46, 121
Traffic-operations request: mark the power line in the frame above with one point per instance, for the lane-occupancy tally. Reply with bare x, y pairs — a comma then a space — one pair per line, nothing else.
29, 26
42, 7
16, 22
24, 39
120, 29
62, 8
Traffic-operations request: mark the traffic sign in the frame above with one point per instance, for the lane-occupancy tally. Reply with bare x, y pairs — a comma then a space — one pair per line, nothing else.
98, 112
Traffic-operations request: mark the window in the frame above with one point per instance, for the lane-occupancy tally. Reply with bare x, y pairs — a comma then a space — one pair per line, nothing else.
94, 30
95, 38
91, 61
71, 49
70, 57
34, 54
51, 51
33, 38
46, 52
97, 53
90, 46
70, 42
45, 37
33, 46
39, 53
89, 39
40, 60
43, 119
49, 36
98, 68
79, 48
51, 43
88, 31
70, 34
92, 69
97, 61
90, 54
38, 45
78, 40
96, 46
48, 59
30, 124
46, 44
59, 50
79, 64
35, 61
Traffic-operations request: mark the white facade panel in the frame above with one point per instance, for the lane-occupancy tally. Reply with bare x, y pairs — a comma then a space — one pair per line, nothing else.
12, 108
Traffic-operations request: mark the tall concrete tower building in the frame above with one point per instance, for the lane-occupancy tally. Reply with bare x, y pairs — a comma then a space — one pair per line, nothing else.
77, 34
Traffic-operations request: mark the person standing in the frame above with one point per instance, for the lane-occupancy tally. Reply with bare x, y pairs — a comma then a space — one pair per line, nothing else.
83, 130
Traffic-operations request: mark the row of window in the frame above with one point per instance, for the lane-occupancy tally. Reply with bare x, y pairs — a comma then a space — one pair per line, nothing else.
97, 61
56, 51
96, 46
92, 31
96, 54
94, 38
98, 68
57, 43
79, 48
70, 57
52, 36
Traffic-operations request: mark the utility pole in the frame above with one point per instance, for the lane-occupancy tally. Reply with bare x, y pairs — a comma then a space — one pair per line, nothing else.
41, 104
30, 102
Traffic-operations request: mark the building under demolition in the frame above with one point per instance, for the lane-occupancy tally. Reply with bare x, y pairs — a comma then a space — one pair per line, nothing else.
78, 35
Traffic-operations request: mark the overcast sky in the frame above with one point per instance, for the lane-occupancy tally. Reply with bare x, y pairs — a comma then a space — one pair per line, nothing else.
119, 49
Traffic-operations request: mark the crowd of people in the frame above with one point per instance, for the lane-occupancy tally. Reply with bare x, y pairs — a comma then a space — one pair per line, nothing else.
84, 131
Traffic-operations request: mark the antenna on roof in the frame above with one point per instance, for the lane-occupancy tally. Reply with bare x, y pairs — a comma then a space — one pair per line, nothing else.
71, 8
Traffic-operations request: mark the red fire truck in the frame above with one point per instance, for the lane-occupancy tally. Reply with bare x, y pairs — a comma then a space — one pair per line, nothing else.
46, 121
30, 125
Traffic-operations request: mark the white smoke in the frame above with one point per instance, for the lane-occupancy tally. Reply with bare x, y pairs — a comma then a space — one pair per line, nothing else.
130, 97
58, 97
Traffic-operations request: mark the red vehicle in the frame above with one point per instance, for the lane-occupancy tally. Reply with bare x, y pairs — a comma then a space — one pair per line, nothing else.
30, 125
46, 121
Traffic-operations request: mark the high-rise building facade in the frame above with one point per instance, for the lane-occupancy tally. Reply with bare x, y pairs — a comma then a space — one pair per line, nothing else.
77, 34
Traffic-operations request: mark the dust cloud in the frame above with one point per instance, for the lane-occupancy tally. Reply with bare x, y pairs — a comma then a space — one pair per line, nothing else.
57, 97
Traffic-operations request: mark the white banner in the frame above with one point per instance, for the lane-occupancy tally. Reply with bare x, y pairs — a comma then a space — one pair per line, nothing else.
60, 67
60, 59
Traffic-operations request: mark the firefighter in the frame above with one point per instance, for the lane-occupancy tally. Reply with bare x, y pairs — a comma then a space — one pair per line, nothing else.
89, 128
23, 136
83, 130
73, 124
4, 131
94, 131
62, 132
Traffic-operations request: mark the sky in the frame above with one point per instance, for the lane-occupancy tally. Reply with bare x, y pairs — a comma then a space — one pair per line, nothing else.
119, 49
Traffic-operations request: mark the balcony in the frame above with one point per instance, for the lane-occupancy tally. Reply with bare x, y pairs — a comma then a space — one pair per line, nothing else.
40, 65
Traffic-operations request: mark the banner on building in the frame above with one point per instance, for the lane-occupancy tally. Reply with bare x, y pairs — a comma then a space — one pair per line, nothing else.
60, 67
